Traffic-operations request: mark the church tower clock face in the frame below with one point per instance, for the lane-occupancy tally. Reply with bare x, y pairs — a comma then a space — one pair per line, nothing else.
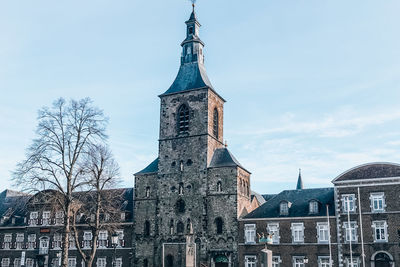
188, 200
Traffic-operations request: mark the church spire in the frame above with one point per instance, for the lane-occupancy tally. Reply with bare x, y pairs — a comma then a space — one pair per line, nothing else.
192, 73
299, 181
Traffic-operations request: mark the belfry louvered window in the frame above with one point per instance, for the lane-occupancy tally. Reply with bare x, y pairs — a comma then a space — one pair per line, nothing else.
183, 119
215, 123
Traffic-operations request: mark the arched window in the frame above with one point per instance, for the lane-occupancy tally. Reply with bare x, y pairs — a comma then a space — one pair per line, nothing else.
180, 227
148, 191
183, 119
146, 228
180, 206
171, 227
215, 123
219, 186
145, 263
219, 223
169, 260
180, 191
189, 229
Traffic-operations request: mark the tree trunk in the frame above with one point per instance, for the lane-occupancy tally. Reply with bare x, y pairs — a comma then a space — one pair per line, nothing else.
67, 230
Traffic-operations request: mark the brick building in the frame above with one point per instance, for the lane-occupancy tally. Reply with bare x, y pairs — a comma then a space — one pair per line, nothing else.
31, 232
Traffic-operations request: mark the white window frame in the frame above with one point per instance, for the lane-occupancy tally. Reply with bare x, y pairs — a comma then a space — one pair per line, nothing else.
87, 239
29, 262
59, 217
352, 203
7, 242
284, 208
250, 233
121, 241
378, 197
31, 241
17, 262
324, 264
57, 241
71, 262
33, 218
250, 261
273, 228
323, 233
46, 217
101, 262
103, 239
5, 262
313, 207
118, 262
276, 261
71, 242
297, 228
382, 226
356, 262
348, 232
298, 261
19, 241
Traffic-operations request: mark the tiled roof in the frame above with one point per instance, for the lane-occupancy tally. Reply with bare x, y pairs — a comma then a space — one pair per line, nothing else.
370, 171
268, 196
299, 200
152, 167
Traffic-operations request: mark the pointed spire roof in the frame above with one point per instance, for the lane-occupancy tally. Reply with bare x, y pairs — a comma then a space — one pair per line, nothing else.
192, 72
299, 181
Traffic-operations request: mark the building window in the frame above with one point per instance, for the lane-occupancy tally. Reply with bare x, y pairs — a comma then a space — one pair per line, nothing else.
350, 231
123, 216
215, 123
273, 229
44, 245
71, 242
103, 239
17, 262
219, 186
297, 232
19, 241
250, 261
324, 261
323, 232
33, 218
148, 191
219, 225
276, 261
46, 218
59, 217
180, 206
145, 263
118, 262
377, 202
57, 240
101, 262
348, 202
30, 262
146, 231
5, 262
87, 239
284, 208
380, 231
250, 233
121, 241
183, 119
313, 207
355, 263
169, 261
7, 241
32, 241
298, 261
71, 262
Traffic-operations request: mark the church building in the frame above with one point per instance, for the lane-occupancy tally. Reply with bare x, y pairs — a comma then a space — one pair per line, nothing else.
189, 199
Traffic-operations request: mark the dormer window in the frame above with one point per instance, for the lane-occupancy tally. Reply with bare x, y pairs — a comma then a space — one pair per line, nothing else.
284, 208
313, 207
183, 119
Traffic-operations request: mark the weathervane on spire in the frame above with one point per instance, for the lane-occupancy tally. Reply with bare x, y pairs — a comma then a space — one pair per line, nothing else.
193, 3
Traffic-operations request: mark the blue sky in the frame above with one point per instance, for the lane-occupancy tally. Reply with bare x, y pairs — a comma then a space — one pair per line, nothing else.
310, 84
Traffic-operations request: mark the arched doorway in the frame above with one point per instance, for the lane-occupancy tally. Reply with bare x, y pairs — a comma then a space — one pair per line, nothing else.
382, 260
221, 261
169, 261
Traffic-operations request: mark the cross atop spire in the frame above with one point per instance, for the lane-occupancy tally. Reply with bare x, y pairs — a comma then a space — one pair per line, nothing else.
299, 181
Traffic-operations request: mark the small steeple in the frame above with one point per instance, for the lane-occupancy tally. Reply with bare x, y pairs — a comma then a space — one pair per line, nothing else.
299, 181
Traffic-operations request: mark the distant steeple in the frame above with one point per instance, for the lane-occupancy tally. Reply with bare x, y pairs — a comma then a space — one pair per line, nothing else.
192, 73
299, 181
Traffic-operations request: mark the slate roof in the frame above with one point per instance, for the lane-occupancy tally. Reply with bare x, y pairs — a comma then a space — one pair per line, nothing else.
300, 204
152, 167
223, 158
190, 76
268, 196
370, 171
259, 197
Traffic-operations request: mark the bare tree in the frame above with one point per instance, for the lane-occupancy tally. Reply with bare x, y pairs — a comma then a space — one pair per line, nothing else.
101, 207
66, 132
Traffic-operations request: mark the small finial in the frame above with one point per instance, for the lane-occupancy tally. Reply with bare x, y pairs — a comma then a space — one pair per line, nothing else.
193, 4
226, 143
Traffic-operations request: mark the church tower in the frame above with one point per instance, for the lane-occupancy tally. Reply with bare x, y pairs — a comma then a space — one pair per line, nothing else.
188, 200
